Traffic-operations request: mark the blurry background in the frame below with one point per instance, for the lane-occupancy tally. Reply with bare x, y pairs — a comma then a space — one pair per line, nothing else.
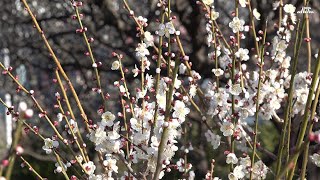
108, 23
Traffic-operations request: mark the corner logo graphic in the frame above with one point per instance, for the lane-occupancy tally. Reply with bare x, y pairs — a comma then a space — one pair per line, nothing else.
306, 10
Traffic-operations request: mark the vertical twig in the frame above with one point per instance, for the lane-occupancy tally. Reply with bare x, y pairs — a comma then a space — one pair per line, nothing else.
93, 61
280, 13
256, 122
31, 168
304, 123
164, 136
287, 116
306, 151
57, 62
13, 155
81, 148
62, 166
308, 38
21, 87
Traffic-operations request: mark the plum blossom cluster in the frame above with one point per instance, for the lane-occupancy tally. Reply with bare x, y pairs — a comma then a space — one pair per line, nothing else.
235, 102
243, 167
148, 120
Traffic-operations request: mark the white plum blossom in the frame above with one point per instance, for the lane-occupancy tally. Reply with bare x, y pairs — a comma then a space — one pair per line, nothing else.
115, 65
231, 159
98, 136
208, 176
146, 63
219, 98
114, 135
242, 3
217, 72
195, 75
89, 167
79, 158
231, 176
208, 2
214, 15
182, 68
22, 106
148, 38
275, 49
177, 83
256, 14
142, 51
242, 54
141, 94
110, 164
163, 86
161, 174
215, 53
301, 96
154, 145
180, 165
213, 139
235, 89
224, 61
193, 90
286, 63
73, 126
245, 162
315, 159
285, 33
142, 20
161, 100
279, 90
281, 45
49, 144
135, 124
227, 128
180, 110
301, 84
59, 116
135, 71
149, 81
236, 25
259, 170
106, 140
192, 175
166, 29
107, 119
123, 90
289, 8
99, 177
58, 169
238, 172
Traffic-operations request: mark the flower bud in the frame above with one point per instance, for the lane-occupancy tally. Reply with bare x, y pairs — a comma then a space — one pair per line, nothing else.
19, 150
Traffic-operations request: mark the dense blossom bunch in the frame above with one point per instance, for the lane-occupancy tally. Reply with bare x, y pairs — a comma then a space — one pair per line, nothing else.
147, 137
